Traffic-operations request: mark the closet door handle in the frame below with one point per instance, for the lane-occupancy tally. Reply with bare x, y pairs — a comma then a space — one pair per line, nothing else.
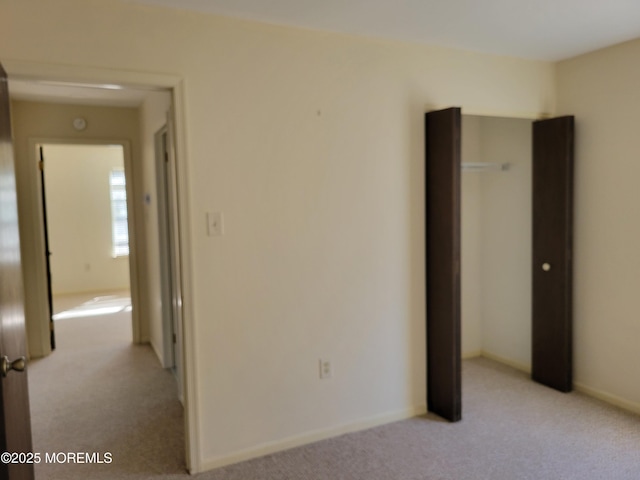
546, 266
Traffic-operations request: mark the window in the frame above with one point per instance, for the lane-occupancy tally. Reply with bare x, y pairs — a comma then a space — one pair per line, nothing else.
119, 227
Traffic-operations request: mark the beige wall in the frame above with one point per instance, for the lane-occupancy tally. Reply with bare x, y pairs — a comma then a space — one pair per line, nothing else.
79, 218
496, 240
311, 144
471, 223
601, 90
33, 121
506, 240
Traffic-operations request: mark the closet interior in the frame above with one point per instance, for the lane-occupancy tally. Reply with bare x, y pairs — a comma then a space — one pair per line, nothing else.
496, 249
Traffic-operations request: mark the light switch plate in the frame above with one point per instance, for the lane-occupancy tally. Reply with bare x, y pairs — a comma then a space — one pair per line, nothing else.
215, 224
326, 368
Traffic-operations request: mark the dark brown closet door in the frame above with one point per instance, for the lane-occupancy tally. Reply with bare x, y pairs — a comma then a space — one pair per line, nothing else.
552, 252
442, 134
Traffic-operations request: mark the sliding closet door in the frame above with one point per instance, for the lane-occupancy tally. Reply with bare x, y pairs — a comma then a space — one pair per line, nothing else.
552, 252
442, 134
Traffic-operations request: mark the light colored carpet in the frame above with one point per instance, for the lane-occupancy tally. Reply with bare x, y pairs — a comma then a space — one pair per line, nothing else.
99, 393
512, 429
114, 397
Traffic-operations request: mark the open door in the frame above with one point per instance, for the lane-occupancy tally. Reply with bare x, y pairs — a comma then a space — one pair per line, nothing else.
442, 184
552, 252
176, 266
47, 251
166, 252
15, 423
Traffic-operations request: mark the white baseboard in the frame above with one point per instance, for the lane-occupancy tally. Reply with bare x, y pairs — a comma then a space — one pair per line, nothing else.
472, 354
628, 405
157, 352
633, 407
309, 437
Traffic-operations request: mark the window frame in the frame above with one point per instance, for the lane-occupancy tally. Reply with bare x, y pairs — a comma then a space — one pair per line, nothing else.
119, 215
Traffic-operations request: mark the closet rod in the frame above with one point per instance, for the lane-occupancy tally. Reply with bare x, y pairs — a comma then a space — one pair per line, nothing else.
484, 166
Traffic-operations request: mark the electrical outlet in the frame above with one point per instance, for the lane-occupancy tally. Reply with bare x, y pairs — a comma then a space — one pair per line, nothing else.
326, 368
215, 224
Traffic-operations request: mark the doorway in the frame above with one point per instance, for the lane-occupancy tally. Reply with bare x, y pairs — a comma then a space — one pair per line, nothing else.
117, 89
496, 246
85, 212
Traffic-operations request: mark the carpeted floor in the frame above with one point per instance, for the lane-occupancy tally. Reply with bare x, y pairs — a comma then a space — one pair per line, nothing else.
101, 394
513, 429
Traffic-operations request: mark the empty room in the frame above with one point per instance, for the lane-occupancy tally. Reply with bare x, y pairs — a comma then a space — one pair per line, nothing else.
295, 257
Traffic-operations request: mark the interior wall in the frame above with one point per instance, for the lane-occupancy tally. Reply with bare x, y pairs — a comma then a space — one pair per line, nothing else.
35, 120
153, 116
601, 90
471, 225
506, 240
311, 144
79, 218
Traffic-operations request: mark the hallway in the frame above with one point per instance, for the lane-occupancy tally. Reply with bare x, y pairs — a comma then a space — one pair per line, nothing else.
98, 393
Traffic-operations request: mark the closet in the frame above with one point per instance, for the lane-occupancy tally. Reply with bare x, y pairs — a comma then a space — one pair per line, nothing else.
499, 205
496, 239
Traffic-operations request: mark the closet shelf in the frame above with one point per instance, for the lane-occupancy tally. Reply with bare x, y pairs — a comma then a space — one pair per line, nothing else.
484, 166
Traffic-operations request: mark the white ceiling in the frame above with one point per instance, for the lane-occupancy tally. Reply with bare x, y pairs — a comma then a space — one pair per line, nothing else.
70, 93
536, 29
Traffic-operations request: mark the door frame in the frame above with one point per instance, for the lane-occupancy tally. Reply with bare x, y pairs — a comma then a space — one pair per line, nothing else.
38, 71
38, 223
166, 254
169, 225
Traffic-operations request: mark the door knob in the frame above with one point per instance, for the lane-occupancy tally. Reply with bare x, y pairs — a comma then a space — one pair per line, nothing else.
18, 365
546, 267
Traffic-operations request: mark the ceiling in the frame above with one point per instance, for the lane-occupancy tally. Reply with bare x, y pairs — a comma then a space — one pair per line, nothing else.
73, 93
536, 29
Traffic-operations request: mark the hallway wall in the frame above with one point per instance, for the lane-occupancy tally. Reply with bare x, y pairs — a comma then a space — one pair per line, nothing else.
36, 120
153, 116
79, 218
